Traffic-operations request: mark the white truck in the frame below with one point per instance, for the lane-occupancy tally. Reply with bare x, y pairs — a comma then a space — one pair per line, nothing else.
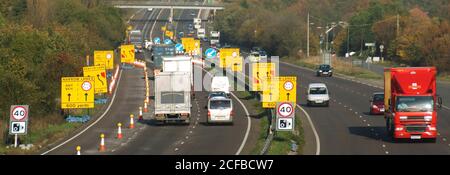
201, 33
179, 63
220, 84
172, 97
214, 38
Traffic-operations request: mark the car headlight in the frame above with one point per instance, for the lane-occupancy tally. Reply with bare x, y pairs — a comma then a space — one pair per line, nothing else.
320, 70
403, 117
374, 106
428, 118
329, 71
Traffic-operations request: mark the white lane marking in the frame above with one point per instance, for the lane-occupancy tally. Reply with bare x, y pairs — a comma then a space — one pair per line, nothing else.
153, 26
446, 107
249, 125
95, 122
249, 121
314, 130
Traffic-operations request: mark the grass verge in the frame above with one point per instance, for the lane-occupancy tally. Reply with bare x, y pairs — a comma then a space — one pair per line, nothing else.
339, 66
43, 131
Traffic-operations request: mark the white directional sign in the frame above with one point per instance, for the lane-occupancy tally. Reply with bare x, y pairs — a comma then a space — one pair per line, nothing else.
285, 124
18, 128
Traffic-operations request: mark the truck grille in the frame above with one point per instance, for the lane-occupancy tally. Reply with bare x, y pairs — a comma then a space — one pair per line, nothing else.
416, 128
416, 118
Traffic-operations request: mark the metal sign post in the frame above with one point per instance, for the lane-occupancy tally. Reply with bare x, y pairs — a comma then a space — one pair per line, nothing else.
18, 121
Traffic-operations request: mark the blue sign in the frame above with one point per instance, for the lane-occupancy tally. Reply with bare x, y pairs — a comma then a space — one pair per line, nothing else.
167, 41
179, 47
157, 40
211, 53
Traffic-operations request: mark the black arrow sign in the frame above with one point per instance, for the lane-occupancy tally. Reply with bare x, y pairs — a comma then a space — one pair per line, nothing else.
68, 95
288, 96
85, 96
98, 77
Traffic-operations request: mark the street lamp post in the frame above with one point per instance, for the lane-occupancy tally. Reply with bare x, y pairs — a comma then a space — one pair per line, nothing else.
381, 52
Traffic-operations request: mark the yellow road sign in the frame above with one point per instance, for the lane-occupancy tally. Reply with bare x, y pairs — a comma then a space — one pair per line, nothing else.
236, 63
104, 58
224, 53
261, 72
77, 92
270, 92
188, 44
99, 74
169, 33
127, 53
288, 89
163, 28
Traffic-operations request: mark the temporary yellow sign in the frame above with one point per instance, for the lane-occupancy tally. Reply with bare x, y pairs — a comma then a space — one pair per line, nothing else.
127, 53
260, 73
270, 92
235, 63
227, 52
104, 58
163, 28
77, 92
288, 89
196, 47
169, 33
188, 44
99, 74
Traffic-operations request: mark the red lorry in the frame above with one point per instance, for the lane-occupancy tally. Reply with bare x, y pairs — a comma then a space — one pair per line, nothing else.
411, 102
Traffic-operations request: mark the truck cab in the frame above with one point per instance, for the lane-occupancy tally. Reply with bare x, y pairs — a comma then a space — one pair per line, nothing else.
411, 102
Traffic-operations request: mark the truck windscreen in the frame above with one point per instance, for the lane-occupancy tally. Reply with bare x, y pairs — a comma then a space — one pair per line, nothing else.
414, 104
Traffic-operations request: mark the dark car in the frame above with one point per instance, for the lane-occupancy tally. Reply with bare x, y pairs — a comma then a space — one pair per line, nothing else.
377, 103
324, 70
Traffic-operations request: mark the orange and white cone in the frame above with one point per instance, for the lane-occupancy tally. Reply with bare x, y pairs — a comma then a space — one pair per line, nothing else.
140, 113
145, 107
131, 121
78, 150
119, 130
102, 143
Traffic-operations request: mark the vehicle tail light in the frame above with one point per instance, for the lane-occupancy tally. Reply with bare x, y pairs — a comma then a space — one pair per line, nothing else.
209, 114
231, 113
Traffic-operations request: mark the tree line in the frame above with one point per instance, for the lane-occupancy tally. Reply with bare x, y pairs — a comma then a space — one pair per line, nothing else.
419, 38
44, 40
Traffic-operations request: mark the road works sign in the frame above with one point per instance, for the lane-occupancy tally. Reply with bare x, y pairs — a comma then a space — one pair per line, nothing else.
226, 53
285, 116
169, 34
77, 92
127, 54
261, 72
235, 63
99, 74
18, 120
270, 92
288, 88
104, 58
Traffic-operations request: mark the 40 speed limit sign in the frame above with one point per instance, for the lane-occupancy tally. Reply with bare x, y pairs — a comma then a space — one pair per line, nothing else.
18, 120
285, 116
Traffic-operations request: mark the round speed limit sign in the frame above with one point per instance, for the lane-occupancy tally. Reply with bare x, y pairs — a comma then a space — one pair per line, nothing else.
86, 86
285, 109
19, 113
288, 85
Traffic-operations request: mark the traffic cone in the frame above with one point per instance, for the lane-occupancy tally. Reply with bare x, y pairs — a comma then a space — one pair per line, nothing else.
102, 143
145, 107
119, 130
131, 121
78, 150
140, 113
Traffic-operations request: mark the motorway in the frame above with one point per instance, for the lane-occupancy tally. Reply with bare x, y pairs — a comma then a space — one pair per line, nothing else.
346, 128
148, 138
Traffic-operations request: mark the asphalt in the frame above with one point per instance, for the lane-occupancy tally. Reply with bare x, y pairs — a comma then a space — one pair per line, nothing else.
346, 127
148, 138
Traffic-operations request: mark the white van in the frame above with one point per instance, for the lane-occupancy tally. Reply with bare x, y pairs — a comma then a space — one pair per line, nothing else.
220, 84
220, 110
318, 94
